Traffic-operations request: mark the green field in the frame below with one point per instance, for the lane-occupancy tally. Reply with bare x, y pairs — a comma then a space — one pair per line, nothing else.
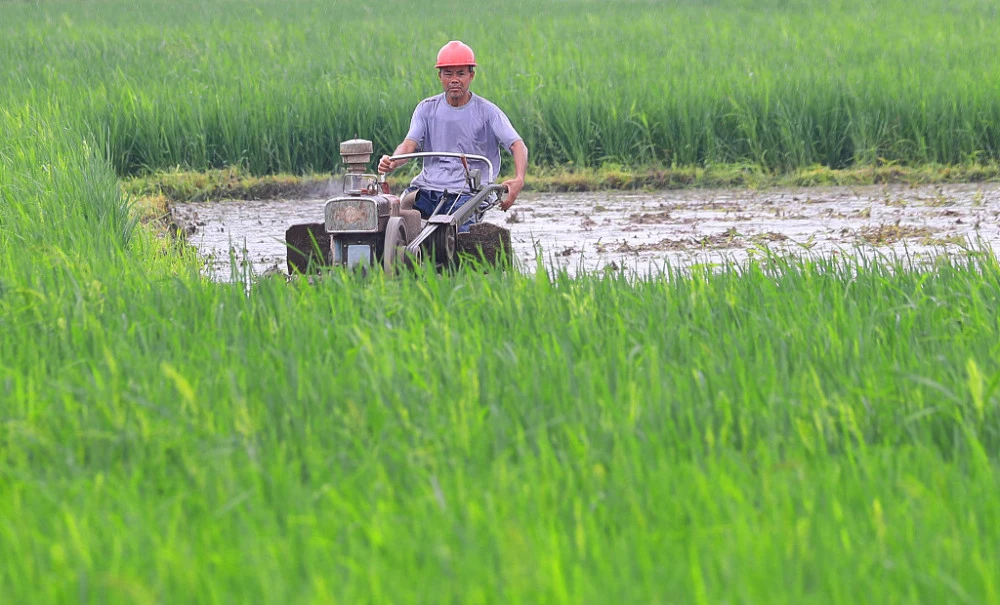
276, 85
792, 430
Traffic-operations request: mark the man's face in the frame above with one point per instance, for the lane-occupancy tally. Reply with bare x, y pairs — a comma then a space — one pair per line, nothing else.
455, 81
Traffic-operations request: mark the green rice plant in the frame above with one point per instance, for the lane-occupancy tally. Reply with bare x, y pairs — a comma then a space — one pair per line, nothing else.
789, 429
274, 87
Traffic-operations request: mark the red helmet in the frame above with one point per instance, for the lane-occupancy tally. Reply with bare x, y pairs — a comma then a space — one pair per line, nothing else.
455, 54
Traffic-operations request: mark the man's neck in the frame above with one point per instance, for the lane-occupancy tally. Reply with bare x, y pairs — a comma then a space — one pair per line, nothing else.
463, 101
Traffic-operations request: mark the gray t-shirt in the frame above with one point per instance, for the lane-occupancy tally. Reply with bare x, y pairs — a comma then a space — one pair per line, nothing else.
478, 127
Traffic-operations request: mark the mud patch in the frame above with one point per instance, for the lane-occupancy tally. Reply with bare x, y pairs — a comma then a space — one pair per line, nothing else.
719, 241
886, 235
645, 231
650, 218
485, 242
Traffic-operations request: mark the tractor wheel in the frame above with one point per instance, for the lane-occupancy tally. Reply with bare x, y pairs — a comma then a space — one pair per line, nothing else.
394, 251
444, 242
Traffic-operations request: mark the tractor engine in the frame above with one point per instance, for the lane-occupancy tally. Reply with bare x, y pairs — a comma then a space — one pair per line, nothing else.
356, 221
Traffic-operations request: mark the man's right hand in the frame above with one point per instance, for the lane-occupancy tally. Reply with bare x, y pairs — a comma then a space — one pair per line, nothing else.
385, 164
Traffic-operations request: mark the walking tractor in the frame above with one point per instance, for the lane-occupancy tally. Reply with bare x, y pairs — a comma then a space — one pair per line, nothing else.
368, 227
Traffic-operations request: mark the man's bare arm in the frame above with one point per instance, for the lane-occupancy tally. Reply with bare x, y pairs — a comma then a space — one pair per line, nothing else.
520, 152
387, 165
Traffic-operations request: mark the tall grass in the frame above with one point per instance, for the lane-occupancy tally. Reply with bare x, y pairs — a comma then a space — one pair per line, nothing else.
274, 86
797, 430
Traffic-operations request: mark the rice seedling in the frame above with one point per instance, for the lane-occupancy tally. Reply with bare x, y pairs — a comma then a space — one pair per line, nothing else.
792, 429
273, 87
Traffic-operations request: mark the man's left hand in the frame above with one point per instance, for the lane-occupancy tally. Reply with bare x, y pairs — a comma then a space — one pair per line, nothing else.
514, 187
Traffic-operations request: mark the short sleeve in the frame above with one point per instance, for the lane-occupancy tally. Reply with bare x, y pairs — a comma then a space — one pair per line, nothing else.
502, 128
418, 124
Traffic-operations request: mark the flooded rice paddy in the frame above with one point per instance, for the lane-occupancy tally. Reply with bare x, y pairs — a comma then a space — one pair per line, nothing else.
645, 231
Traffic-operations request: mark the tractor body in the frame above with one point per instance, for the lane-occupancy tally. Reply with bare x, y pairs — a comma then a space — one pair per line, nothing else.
368, 226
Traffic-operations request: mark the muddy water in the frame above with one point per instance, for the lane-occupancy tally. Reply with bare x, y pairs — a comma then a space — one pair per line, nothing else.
645, 231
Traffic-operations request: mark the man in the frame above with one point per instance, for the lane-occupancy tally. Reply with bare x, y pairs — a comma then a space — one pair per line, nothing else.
458, 121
